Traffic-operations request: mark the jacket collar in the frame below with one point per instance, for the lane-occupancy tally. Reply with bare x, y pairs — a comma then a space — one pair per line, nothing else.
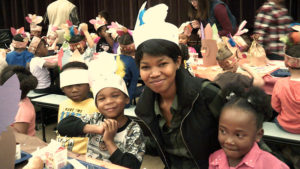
186, 93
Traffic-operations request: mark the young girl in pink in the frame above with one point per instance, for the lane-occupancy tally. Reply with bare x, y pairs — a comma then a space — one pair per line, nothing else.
185, 31
240, 128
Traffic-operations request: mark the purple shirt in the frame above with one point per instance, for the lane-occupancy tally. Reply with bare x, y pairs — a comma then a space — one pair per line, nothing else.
254, 159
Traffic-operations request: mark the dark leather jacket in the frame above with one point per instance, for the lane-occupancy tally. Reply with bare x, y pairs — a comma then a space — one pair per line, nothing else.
197, 103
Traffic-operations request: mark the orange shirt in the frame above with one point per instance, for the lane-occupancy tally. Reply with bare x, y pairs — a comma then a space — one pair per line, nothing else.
286, 101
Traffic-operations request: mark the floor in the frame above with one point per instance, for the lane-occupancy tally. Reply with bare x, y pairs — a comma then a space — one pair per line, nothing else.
149, 162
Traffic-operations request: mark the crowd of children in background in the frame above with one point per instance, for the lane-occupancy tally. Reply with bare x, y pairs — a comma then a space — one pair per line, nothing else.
97, 126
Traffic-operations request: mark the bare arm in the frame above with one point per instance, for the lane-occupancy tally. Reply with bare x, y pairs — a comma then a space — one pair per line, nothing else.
89, 128
50, 64
87, 35
257, 79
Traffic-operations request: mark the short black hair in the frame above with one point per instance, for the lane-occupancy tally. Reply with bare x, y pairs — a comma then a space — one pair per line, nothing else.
125, 39
18, 37
253, 100
76, 38
105, 15
157, 47
75, 64
27, 80
293, 50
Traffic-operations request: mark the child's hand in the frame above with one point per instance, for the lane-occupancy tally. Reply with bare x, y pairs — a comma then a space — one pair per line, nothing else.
195, 24
110, 130
83, 27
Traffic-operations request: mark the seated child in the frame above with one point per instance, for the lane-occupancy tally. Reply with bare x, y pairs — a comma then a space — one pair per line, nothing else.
52, 39
106, 42
286, 93
184, 33
39, 66
25, 118
19, 56
74, 83
240, 129
126, 66
113, 136
83, 43
228, 61
35, 29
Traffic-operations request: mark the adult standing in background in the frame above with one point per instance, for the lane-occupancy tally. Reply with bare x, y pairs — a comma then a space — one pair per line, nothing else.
213, 12
272, 22
58, 13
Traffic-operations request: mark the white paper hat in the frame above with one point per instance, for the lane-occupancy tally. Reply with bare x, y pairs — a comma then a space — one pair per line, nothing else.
105, 81
152, 25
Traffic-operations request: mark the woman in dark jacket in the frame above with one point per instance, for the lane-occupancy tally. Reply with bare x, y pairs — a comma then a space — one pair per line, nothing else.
179, 111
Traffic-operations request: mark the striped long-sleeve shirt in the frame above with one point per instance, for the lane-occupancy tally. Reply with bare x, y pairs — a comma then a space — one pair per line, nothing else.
272, 22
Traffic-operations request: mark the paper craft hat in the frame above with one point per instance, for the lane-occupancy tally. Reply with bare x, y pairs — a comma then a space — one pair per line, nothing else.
103, 64
113, 81
9, 104
52, 32
76, 56
151, 25
34, 20
70, 30
240, 42
34, 44
209, 47
24, 36
185, 28
115, 27
98, 22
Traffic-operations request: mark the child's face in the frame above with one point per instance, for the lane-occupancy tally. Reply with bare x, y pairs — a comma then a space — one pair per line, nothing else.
237, 133
158, 72
78, 92
183, 39
111, 102
35, 33
42, 50
80, 46
51, 39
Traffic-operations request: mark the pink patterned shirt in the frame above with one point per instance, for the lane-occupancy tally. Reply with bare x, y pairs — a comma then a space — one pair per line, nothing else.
254, 159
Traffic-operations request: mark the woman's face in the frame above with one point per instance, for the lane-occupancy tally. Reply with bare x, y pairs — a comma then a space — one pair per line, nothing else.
158, 72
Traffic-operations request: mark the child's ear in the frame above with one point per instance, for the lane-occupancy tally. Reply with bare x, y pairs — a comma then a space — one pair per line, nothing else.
259, 134
127, 100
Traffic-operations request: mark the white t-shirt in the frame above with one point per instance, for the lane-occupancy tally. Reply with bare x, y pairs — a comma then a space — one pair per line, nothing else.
40, 72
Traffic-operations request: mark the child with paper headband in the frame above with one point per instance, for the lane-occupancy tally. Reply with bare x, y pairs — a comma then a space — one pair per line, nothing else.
112, 136
105, 42
74, 83
19, 56
228, 61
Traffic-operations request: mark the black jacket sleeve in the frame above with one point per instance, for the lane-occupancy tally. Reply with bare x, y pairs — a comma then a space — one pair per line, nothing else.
71, 126
125, 159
